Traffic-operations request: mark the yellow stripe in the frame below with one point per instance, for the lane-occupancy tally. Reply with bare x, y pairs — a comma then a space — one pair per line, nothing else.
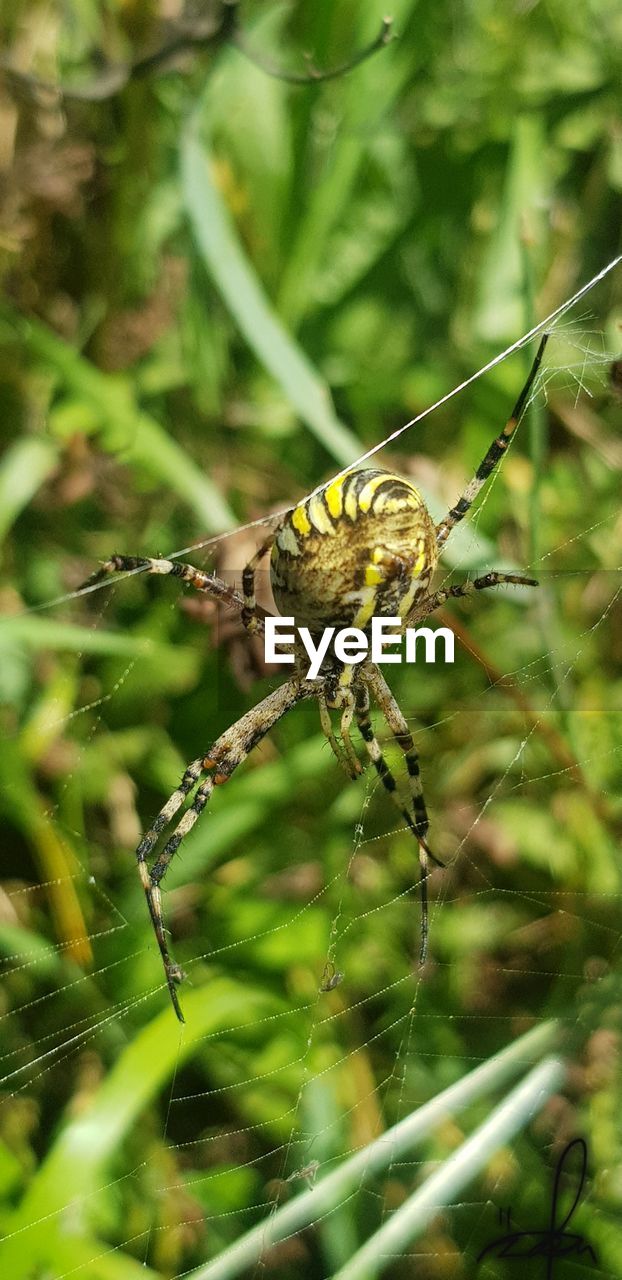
366, 607
334, 496
300, 520
387, 502
373, 576
367, 492
320, 518
351, 505
286, 540
346, 677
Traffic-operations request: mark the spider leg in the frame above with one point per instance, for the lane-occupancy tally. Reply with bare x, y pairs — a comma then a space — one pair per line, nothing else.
494, 578
250, 616
329, 733
338, 693
197, 578
229, 750
401, 732
491, 458
418, 820
347, 716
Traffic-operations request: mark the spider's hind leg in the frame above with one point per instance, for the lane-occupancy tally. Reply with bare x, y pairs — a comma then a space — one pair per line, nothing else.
151, 878
229, 750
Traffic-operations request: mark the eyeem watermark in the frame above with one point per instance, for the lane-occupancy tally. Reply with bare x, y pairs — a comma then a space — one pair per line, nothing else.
352, 645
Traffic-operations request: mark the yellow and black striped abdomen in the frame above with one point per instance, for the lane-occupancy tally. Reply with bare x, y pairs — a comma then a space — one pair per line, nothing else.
364, 545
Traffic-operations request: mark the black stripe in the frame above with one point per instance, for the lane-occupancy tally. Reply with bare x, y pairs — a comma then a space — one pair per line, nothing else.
356, 481
166, 857
460, 509
388, 780
398, 489
389, 483
489, 463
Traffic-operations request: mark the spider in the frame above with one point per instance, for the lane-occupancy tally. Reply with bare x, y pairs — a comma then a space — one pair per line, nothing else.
363, 545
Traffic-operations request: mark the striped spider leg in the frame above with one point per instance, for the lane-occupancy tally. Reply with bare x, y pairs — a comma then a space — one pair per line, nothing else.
223, 758
199, 579
493, 455
494, 577
416, 818
151, 879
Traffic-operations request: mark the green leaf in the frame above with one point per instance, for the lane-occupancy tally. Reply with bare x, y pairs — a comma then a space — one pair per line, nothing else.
43, 633
243, 293
24, 467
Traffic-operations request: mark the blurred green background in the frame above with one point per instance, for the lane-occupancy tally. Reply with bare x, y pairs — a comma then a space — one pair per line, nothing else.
219, 288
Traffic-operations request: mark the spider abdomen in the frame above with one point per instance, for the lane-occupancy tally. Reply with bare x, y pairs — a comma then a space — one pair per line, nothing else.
364, 545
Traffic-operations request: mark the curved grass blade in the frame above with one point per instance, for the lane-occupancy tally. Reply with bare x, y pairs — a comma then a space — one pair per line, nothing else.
243, 293
25, 466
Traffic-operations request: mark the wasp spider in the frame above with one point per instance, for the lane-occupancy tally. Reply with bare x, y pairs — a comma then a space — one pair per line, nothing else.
364, 545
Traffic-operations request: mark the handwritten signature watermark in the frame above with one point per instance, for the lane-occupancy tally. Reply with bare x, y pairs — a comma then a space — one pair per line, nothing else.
552, 1241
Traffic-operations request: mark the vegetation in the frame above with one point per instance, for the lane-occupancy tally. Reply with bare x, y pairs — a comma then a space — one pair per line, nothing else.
221, 286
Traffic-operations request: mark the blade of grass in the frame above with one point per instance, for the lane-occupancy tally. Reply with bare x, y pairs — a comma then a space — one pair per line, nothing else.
368, 93
333, 1190
76, 1168
500, 306
508, 1118
43, 633
86, 1256
537, 421
54, 857
24, 467
243, 293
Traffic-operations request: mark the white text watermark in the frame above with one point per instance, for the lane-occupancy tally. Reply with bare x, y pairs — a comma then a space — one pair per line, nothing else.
351, 645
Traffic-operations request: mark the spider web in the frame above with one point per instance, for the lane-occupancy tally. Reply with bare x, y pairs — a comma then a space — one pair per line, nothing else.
293, 1078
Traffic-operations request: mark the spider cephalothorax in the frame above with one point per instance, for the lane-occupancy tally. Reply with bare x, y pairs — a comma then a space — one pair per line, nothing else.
364, 545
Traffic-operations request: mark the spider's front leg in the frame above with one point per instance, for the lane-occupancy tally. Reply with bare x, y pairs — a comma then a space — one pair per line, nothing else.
229, 750
199, 579
493, 455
